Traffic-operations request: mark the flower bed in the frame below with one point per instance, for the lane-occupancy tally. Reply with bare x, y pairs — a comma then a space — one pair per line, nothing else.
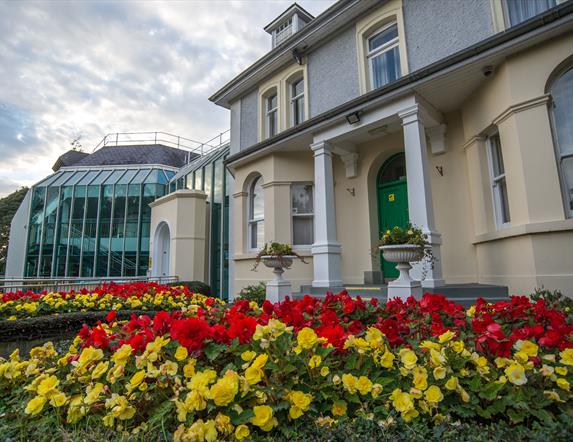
135, 296
244, 372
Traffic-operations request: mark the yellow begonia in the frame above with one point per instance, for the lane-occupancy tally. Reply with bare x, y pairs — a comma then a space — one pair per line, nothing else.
439, 373
100, 369
315, 361
562, 371
420, 378
242, 432
566, 356
35, 405
563, 384
93, 393
324, 371
387, 359
452, 383
434, 395
248, 356
516, 374
339, 408
122, 354
223, 392
364, 385
408, 358
350, 382
300, 402
374, 337
263, 417
446, 337
189, 368
307, 338
527, 347
58, 399
181, 353
401, 400
48, 386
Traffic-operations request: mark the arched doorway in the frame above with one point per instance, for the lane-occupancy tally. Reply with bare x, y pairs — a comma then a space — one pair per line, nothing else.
162, 250
392, 194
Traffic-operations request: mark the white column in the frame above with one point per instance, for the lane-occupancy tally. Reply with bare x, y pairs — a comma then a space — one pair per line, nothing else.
420, 206
325, 250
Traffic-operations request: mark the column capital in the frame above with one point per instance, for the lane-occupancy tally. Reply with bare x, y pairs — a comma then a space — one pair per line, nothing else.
321, 147
410, 115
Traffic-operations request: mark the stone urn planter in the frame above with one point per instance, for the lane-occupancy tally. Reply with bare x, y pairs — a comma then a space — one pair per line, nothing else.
278, 288
403, 255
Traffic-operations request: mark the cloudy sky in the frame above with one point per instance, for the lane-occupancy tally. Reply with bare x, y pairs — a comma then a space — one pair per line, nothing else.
87, 68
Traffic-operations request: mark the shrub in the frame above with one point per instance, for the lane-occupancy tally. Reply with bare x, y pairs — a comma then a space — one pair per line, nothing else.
195, 287
255, 292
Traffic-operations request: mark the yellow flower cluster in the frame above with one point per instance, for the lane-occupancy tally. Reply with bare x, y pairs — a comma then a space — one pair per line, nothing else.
242, 389
54, 302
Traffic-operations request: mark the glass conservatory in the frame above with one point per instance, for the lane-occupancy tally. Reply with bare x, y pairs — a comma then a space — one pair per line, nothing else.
93, 223
208, 173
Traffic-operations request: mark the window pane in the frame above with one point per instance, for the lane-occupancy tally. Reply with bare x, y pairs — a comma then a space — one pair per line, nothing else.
297, 88
303, 230
395, 170
257, 200
272, 123
562, 94
382, 38
298, 110
302, 199
503, 201
385, 67
496, 156
567, 168
271, 102
521, 10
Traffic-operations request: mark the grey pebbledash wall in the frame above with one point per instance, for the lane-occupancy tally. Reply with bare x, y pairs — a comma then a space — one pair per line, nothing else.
436, 29
333, 73
249, 119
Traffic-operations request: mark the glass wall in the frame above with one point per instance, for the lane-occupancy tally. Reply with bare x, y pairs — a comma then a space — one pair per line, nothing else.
88, 223
209, 174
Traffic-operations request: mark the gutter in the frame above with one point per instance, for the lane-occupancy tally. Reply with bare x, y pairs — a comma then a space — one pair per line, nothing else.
415, 77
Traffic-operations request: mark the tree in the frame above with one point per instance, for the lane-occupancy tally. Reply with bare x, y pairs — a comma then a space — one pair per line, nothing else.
8, 207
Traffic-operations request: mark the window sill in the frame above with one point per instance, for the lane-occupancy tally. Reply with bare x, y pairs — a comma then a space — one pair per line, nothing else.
525, 229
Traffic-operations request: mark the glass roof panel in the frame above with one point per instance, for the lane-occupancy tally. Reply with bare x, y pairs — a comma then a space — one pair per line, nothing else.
127, 177
140, 176
115, 176
63, 178
48, 180
154, 177
90, 176
77, 177
101, 177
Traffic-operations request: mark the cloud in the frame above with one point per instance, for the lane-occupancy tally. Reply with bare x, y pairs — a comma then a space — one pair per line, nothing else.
91, 68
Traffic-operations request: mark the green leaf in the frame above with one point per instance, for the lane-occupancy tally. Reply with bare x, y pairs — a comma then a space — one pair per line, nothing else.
212, 351
490, 391
242, 418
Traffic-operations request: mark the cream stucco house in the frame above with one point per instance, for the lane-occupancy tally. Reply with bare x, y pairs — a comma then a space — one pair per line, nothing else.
454, 115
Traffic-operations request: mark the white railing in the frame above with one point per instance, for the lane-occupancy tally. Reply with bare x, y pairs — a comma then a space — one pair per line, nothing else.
164, 138
67, 284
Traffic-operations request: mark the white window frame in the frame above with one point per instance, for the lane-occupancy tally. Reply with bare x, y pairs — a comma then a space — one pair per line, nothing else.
271, 113
560, 155
371, 54
294, 99
309, 215
497, 200
250, 213
506, 19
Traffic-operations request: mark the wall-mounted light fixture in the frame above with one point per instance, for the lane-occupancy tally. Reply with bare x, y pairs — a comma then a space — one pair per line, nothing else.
354, 117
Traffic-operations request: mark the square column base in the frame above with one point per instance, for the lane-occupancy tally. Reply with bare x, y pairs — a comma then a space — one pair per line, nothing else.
404, 289
278, 290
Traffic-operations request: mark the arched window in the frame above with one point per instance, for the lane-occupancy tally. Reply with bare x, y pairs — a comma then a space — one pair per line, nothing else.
256, 215
561, 110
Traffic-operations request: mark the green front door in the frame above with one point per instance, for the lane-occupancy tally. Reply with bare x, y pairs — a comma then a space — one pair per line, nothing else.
392, 203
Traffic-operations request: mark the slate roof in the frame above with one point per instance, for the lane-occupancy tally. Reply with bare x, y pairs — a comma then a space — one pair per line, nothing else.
70, 158
137, 154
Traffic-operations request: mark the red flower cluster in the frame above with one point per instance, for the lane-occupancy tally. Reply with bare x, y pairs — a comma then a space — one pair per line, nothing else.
493, 329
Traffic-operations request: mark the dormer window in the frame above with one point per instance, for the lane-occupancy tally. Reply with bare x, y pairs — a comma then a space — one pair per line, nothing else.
283, 32
297, 101
288, 23
271, 114
383, 56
